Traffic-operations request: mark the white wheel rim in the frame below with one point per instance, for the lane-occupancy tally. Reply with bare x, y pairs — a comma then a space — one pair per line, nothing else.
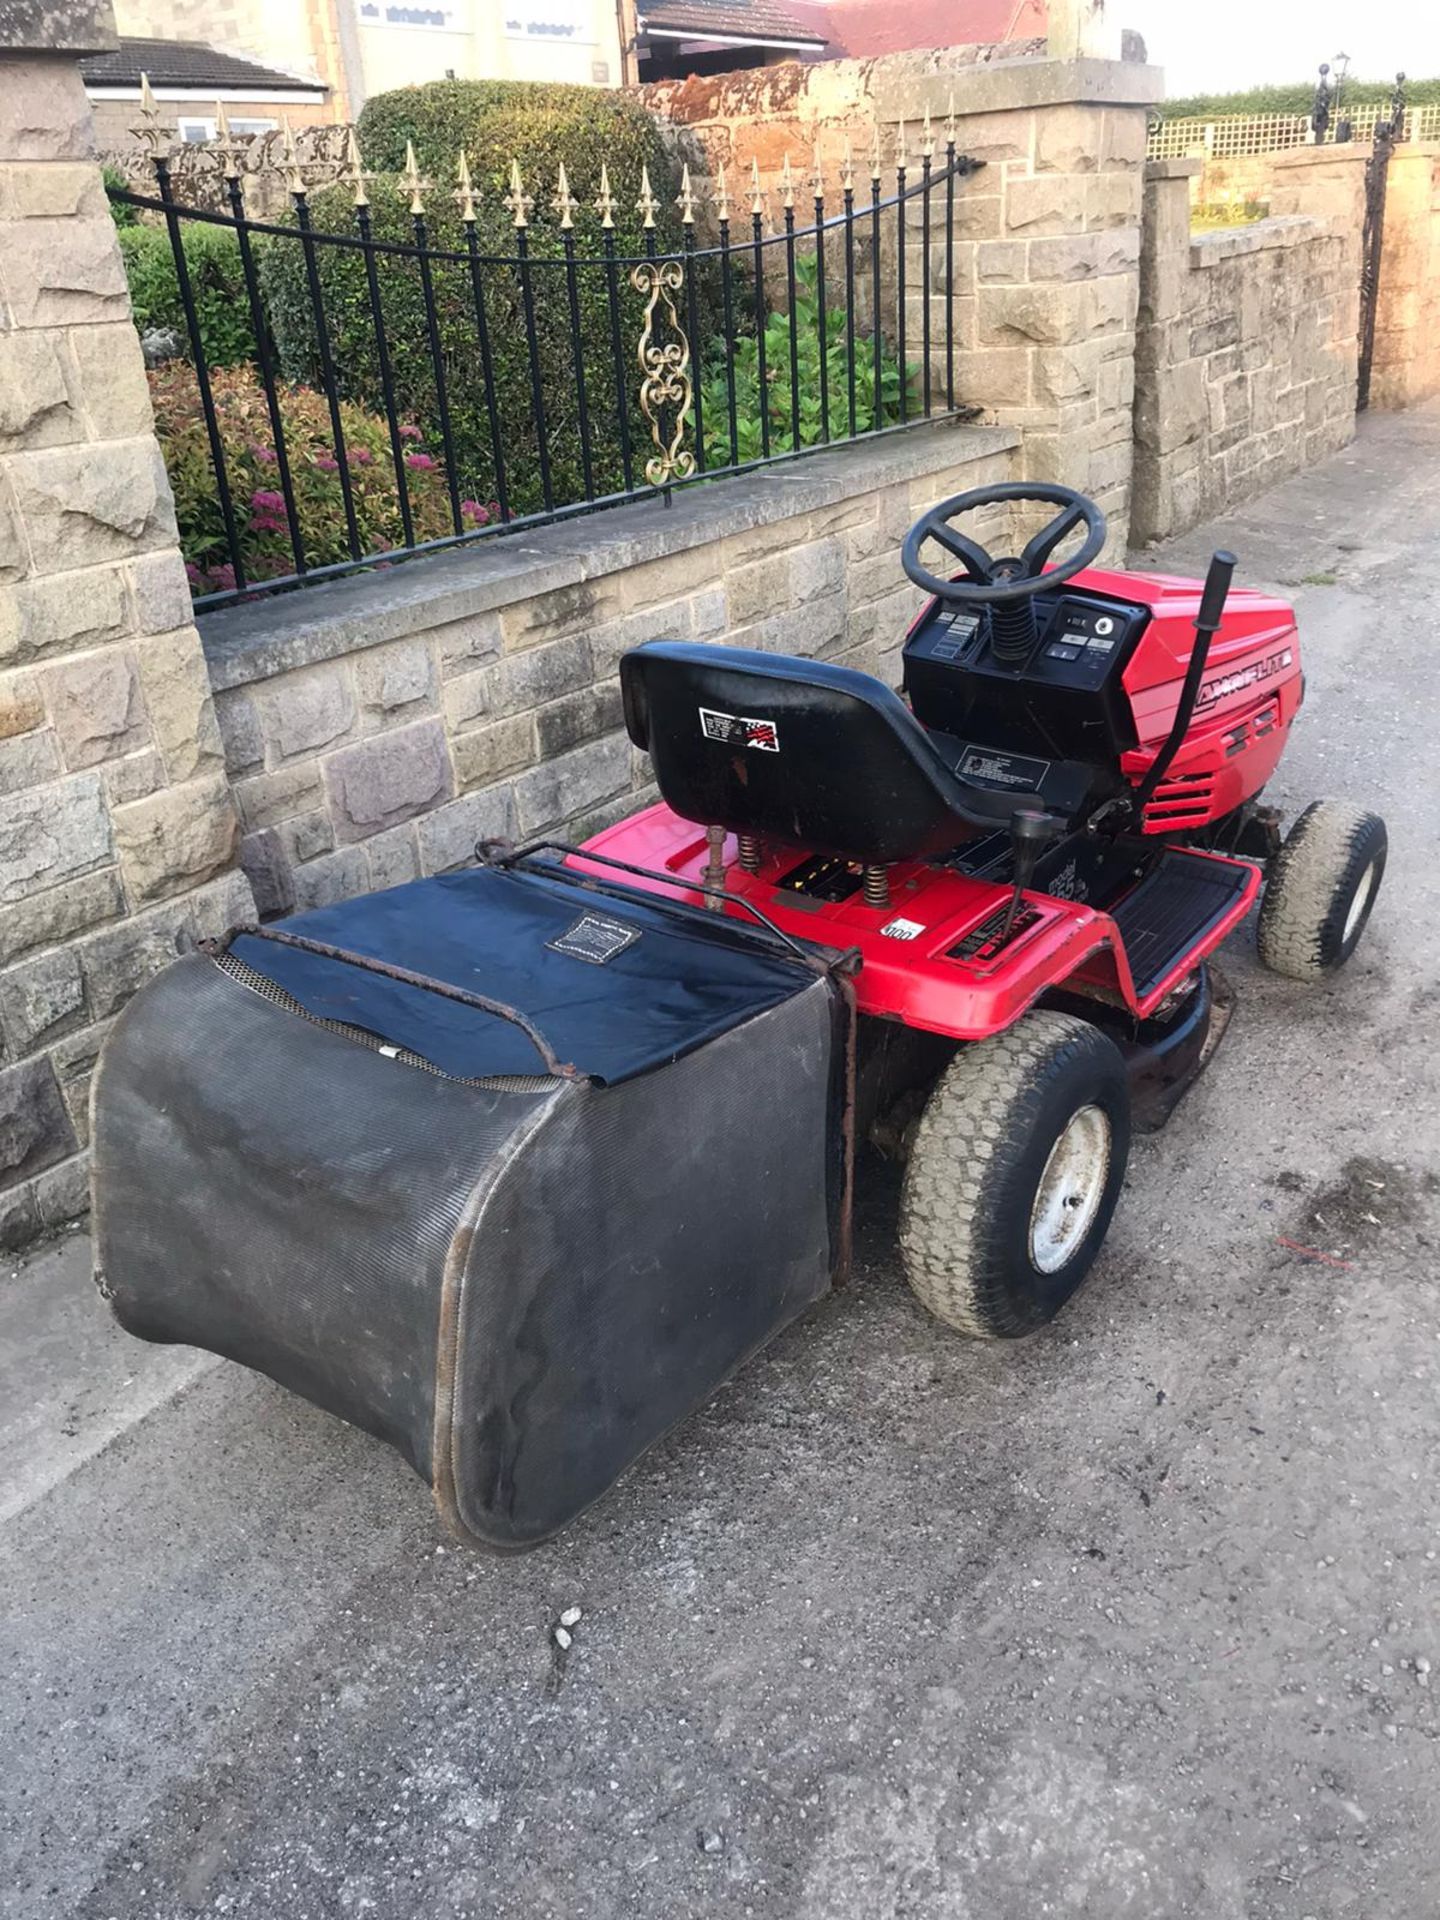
1359, 905
1071, 1187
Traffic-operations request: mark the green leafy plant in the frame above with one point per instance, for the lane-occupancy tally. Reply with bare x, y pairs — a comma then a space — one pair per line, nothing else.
116, 182
212, 256
752, 408
253, 472
580, 127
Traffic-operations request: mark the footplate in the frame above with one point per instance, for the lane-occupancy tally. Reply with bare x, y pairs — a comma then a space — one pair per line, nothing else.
1168, 915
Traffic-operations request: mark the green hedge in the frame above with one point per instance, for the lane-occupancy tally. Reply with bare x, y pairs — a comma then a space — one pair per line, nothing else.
1293, 97
212, 255
580, 126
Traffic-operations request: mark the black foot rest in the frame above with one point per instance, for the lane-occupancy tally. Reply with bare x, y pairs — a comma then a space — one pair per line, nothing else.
1171, 909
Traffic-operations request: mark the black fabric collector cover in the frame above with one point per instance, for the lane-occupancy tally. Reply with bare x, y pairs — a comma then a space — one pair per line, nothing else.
520, 1280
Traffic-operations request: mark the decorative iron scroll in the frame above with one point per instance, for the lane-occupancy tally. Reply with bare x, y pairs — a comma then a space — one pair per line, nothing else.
665, 391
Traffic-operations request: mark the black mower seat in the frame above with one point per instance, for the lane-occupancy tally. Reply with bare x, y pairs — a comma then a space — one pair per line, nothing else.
823, 757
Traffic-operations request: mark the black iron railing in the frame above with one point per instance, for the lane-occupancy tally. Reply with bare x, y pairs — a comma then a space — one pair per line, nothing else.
624, 372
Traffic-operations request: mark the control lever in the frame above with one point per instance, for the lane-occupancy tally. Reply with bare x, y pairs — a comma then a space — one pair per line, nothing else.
1031, 831
1207, 622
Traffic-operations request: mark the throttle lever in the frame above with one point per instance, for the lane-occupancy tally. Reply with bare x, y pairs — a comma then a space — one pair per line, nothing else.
1031, 831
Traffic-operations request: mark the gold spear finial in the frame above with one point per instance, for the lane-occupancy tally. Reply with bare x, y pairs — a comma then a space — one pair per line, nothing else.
147, 129
411, 181
605, 199
647, 204
564, 202
927, 137
517, 203
787, 184
847, 168
900, 154
354, 173
817, 175
757, 198
290, 161
722, 196
875, 160
950, 120
226, 150
464, 194
685, 199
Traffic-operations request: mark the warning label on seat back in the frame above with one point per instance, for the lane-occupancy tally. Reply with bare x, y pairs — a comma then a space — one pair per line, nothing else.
735, 730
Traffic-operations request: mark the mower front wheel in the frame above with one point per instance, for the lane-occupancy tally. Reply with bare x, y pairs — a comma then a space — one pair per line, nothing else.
1321, 887
1014, 1173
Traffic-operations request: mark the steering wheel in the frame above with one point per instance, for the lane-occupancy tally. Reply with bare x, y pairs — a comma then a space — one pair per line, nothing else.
1007, 579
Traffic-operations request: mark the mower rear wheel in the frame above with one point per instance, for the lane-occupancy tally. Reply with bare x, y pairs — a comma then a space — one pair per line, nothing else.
1321, 887
1014, 1172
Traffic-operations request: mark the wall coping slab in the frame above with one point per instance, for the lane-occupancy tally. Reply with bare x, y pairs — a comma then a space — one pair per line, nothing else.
255, 640
1279, 230
57, 26
1004, 85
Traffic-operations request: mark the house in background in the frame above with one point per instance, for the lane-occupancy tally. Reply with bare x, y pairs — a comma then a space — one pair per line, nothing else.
863, 29
674, 38
318, 61
188, 79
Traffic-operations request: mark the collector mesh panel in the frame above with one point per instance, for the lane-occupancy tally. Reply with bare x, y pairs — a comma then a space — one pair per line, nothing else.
519, 1283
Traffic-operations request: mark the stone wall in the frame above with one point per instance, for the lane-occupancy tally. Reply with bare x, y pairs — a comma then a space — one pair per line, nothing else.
761, 114
1406, 365
1246, 356
117, 829
376, 729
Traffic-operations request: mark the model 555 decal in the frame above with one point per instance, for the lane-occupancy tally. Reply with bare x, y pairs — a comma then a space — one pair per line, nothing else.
1242, 677
735, 730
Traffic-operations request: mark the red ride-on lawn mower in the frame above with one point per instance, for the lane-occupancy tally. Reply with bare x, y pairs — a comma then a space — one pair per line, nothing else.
513, 1166
1034, 859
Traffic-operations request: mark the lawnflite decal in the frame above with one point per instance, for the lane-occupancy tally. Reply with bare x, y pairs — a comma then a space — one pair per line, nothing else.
1215, 690
735, 730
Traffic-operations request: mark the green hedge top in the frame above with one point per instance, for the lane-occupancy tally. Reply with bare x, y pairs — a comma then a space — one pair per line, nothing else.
1293, 97
540, 124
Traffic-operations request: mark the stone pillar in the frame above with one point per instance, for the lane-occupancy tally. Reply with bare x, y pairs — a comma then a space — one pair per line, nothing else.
117, 831
1047, 272
1171, 407
1406, 367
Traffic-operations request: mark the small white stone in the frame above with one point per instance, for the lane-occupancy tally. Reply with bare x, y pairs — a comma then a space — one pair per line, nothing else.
571, 1617
562, 1639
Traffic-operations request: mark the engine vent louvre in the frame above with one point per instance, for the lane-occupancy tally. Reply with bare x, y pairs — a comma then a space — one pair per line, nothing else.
1183, 801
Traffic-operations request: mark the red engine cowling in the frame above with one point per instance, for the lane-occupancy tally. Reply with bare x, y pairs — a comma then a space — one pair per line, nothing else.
1251, 692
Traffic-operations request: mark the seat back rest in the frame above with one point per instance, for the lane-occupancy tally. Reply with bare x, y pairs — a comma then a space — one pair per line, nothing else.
823, 757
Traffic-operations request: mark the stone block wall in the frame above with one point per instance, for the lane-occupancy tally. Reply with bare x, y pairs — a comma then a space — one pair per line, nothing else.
374, 731
117, 829
1046, 274
1246, 357
1406, 365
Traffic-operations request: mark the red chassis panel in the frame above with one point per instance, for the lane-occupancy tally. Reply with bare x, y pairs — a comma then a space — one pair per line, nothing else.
913, 978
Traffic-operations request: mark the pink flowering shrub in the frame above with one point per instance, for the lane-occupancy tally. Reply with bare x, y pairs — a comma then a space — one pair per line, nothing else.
253, 468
